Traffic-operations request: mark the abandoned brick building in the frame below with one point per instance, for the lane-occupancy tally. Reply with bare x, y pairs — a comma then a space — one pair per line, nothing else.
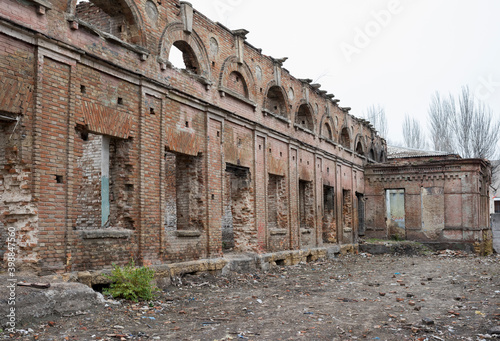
433, 197
108, 152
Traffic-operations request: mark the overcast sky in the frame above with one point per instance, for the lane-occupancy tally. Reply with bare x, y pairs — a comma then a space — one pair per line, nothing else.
395, 53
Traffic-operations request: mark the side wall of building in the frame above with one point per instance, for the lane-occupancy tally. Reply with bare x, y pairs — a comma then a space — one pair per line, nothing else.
109, 153
428, 200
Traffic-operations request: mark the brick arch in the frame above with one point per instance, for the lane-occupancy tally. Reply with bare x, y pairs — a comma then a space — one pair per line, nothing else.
275, 90
131, 14
382, 155
359, 145
371, 153
174, 34
345, 137
327, 119
230, 66
305, 112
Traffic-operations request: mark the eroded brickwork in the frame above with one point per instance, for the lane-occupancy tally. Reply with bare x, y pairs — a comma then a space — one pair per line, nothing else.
119, 155
439, 201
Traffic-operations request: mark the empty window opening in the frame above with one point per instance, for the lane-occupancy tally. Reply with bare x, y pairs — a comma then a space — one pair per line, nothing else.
347, 209
83, 89
371, 155
184, 192
152, 111
237, 84
182, 56
359, 148
113, 17
120, 101
329, 222
277, 199
59, 179
345, 139
238, 217
306, 204
304, 117
275, 102
104, 197
84, 135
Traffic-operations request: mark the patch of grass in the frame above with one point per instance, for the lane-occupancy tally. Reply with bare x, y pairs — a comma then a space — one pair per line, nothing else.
132, 283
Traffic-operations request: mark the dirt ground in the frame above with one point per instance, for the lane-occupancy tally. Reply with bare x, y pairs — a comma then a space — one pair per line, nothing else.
447, 296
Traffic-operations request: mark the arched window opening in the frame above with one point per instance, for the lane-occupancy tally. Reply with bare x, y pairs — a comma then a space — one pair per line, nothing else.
345, 140
372, 154
183, 57
327, 132
113, 17
276, 103
359, 148
237, 84
382, 156
304, 117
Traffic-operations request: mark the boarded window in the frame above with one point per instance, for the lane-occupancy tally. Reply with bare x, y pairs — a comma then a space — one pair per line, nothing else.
329, 222
238, 217
184, 186
277, 208
105, 193
306, 204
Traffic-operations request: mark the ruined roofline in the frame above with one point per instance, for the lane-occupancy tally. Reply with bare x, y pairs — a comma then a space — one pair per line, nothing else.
395, 152
329, 97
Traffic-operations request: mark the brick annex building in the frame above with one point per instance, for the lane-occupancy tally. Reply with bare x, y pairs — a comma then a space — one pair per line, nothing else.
108, 152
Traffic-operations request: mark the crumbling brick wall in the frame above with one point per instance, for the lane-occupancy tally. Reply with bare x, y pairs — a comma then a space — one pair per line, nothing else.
238, 229
89, 194
329, 221
234, 105
443, 199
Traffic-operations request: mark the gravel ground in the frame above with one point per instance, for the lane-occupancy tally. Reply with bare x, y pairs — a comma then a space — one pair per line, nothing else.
446, 296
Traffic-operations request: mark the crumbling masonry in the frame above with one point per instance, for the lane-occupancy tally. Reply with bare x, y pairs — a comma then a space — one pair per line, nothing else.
108, 152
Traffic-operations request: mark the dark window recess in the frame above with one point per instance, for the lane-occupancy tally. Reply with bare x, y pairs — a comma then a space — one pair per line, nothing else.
152, 111
83, 89
59, 179
120, 100
84, 135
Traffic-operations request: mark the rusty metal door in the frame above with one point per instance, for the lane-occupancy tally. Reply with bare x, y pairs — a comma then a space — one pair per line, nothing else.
395, 206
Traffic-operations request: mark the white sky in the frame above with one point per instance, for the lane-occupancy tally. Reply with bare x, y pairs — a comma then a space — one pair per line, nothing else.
423, 46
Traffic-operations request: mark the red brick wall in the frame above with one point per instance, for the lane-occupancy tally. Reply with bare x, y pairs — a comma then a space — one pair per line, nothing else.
125, 90
443, 199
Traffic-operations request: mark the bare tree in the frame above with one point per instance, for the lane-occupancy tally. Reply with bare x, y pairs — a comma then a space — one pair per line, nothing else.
465, 126
413, 133
441, 121
376, 115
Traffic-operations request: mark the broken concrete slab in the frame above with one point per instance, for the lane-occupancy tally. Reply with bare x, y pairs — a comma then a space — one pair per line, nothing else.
60, 299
